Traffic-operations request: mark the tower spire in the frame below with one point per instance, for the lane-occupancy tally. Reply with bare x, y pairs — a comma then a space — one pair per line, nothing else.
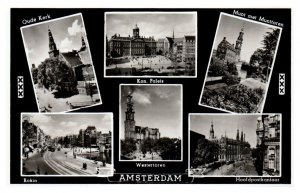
53, 51
239, 43
83, 45
211, 131
173, 36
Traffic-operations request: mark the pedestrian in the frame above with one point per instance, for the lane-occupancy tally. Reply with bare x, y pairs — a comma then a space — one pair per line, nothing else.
97, 170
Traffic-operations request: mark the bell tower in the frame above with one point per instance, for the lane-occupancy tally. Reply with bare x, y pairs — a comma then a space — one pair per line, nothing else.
238, 135
53, 51
136, 32
239, 43
129, 122
83, 45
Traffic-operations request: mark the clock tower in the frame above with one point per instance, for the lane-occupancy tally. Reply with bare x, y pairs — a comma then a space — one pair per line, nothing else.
129, 122
238, 44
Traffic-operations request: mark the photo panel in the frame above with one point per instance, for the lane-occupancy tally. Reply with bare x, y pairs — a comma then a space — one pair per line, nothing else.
240, 65
150, 44
73, 144
150, 122
60, 64
235, 145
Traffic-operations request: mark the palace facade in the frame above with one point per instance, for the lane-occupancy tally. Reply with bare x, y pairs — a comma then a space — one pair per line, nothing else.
230, 52
181, 49
132, 131
134, 45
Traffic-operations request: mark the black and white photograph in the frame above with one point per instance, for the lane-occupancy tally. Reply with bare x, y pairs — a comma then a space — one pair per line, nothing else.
60, 64
155, 44
240, 66
73, 144
227, 145
150, 122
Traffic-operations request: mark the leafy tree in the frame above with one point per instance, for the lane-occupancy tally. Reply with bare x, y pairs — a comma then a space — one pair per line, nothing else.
34, 73
269, 45
217, 67
55, 74
170, 149
231, 68
206, 152
231, 79
148, 145
127, 146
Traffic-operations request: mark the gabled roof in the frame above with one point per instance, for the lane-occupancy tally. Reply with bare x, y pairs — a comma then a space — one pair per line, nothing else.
72, 58
176, 40
85, 57
170, 39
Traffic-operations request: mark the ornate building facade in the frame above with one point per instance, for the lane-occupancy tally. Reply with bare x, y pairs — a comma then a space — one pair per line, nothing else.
133, 131
182, 48
188, 49
229, 148
134, 45
230, 52
268, 140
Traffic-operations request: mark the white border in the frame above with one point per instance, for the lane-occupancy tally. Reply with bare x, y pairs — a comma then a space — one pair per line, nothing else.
68, 114
270, 75
87, 42
152, 12
226, 114
120, 122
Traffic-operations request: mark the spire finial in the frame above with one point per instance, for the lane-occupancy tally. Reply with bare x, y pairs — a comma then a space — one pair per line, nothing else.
173, 33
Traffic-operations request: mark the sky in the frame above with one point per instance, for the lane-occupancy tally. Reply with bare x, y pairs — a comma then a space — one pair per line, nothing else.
66, 124
67, 33
159, 25
230, 28
155, 107
226, 123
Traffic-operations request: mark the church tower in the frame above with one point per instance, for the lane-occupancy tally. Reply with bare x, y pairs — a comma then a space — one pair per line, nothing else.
211, 132
129, 119
136, 32
83, 45
242, 137
239, 43
53, 51
238, 135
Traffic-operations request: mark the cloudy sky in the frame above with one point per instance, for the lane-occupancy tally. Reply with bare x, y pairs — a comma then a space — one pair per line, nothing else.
158, 25
230, 28
155, 107
226, 123
66, 124
66, 32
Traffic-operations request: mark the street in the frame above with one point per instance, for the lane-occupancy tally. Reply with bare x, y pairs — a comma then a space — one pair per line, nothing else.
239, 168
63, 163
36, 165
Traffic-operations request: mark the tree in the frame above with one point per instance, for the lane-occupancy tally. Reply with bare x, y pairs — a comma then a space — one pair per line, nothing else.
148, 145
170, 149
231, 79
206, 152
55, 74
269, 45
34, 74
217, 67
127, 146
